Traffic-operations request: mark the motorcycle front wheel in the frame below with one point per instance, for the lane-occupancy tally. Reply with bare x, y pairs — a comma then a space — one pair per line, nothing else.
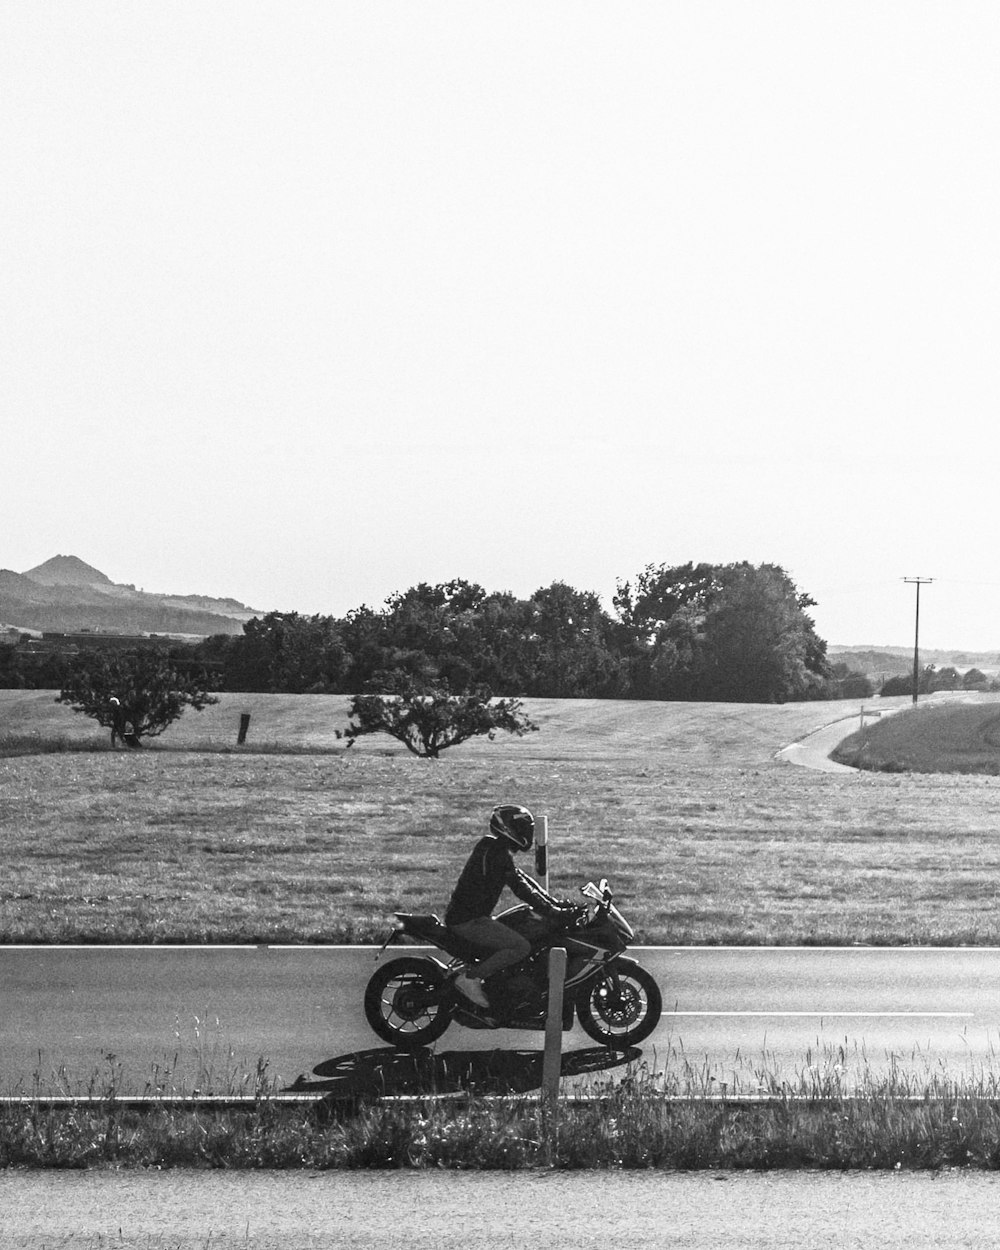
622, 1008
404, 1003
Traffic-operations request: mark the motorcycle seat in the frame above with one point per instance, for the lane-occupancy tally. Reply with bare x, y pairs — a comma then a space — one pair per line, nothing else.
423, 924
431, 928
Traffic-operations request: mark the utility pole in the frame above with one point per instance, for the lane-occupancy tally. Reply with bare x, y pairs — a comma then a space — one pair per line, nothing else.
918, 582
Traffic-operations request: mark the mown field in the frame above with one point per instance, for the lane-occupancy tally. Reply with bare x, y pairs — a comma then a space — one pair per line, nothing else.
706, 837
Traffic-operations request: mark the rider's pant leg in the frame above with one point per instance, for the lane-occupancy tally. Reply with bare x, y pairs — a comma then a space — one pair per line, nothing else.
506, 946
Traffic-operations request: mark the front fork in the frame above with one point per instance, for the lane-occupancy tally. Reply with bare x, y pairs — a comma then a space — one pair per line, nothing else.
604, 979
608, 983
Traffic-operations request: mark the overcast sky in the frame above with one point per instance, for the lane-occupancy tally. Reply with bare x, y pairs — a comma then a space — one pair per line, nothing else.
305, 303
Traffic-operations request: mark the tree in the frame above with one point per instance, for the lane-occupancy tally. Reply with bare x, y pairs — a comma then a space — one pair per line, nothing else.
759, 646
948, 678
660, 591
734, 632
903, 683
569, 646
288, 653
153, 689
432, 633
429, 719
849, 683
26, 669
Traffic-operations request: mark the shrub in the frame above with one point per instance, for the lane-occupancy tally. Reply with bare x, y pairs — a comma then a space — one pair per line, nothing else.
429, 719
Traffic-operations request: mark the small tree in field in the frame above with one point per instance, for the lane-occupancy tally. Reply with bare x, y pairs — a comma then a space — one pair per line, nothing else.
152, 689
428, 719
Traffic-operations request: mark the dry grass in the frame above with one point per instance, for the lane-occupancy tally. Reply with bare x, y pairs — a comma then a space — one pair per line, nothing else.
706, 837
663, 1119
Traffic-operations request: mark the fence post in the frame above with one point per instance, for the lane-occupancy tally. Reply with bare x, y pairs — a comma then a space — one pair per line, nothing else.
244, 726
542, 853
552, 1059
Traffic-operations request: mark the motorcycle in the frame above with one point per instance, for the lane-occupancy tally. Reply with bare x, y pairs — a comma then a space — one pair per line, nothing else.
410, 1001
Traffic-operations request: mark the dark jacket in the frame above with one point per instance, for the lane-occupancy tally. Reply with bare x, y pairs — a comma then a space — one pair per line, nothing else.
489, 868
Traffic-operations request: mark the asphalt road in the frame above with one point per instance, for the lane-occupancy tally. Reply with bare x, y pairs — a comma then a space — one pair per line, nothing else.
187, 1018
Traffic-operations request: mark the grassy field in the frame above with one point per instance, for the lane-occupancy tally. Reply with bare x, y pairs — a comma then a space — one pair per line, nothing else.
704, 835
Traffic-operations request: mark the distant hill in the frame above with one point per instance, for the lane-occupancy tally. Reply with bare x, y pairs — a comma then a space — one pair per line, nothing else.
65, 594
67, 571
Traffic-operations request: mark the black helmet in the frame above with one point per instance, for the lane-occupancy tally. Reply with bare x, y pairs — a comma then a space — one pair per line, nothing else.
514, 823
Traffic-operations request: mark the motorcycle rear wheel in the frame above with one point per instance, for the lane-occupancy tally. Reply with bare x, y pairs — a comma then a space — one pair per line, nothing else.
623, 1008
404, 1003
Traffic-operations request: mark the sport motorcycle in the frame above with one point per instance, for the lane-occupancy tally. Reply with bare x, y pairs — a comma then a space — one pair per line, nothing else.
411, 1000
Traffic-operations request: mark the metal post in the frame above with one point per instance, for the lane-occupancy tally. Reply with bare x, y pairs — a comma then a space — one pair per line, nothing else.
542, 853
918, 582
552, 1059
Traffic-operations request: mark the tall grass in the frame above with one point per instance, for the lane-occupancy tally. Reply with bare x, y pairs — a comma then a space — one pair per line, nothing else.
640, 1124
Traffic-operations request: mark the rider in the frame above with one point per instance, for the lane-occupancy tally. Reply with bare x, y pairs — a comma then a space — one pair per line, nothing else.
489, 868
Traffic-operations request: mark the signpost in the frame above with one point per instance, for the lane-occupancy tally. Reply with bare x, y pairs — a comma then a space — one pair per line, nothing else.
552, 1059
542, 852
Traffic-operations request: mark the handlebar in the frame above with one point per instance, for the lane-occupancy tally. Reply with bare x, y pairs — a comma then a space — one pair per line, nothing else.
601, 893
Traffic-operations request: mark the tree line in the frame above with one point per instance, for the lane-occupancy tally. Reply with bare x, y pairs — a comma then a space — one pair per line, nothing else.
731, 632
930, 679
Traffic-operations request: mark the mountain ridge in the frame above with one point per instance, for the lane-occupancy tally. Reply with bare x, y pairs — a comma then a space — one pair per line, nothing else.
67, 571
64, 594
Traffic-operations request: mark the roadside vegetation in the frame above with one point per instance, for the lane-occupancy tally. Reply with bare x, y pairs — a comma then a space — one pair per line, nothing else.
705, 836
666, 1112
642, 1123
929, 738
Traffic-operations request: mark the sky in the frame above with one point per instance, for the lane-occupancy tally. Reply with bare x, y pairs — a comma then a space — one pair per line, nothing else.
307, 303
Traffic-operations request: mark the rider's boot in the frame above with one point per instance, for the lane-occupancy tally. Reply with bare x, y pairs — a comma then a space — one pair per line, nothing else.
471, 989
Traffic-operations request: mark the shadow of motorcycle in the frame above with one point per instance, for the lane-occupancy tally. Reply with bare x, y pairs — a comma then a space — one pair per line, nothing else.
381, 1072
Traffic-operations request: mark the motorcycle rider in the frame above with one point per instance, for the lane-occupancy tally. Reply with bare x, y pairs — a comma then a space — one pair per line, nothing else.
488, 869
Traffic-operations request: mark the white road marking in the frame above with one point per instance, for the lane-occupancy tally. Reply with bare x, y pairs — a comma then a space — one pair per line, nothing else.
853, 1015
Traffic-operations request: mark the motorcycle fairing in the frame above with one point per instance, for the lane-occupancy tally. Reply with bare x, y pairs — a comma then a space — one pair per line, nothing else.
478, 1018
